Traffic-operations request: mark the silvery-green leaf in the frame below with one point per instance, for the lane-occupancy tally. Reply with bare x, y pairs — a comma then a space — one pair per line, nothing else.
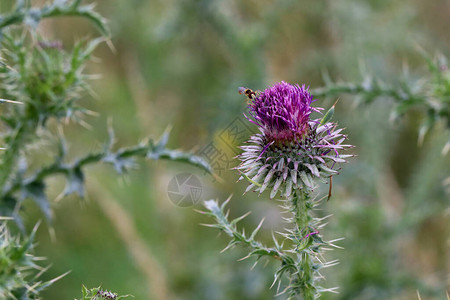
263, 187
319, 159
256, 179
249, 188
269, 176
306, 180
262, 169
326, 169
311, 181
276, 186
285, 173
288, 187
346, 155
281, 164
335, 159
313, 169
294, 176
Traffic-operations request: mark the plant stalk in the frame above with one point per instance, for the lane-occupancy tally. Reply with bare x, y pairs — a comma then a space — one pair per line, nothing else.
305, 245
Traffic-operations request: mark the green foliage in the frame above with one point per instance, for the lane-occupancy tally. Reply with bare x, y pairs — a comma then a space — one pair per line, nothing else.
33, 186
185, 59
49, 82
46, 78
24, 13
19, 271
429, 94
297, 254
46, 82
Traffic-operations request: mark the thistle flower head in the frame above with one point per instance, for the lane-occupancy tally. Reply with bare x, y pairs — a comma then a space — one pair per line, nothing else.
282, 111
291, 150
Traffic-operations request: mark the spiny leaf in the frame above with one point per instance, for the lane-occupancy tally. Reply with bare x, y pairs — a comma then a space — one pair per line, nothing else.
328, 115
36, 192
75, 182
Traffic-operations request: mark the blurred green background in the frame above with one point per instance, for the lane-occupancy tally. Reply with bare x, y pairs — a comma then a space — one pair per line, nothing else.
179, 63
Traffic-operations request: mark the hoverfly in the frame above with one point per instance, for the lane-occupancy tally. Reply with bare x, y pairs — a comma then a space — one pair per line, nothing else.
251, 95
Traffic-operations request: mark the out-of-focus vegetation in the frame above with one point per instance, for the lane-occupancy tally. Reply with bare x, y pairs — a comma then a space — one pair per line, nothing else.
180, 63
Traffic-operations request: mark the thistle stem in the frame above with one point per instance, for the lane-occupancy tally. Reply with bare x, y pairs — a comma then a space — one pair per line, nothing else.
305, 245
12, 153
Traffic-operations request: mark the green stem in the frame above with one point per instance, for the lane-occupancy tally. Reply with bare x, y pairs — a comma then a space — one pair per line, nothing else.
150, 151
16, 142
304, 245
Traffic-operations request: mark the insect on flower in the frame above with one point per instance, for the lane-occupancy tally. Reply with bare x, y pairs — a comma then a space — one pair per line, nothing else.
247, 92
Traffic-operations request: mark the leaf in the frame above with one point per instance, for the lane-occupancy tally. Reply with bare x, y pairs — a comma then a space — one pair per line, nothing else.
250, 180
36, 192
313, 169
189, 158
288, 190
59, 8
328, 115
212, 206
121, 164
276, 187
307, 180
32, 18
75, 182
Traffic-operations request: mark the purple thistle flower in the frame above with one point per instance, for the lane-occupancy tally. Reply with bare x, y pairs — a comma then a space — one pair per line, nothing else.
291, 150
282, 111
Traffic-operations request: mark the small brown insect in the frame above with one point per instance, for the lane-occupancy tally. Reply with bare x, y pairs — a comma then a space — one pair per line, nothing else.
247, 92
331, 186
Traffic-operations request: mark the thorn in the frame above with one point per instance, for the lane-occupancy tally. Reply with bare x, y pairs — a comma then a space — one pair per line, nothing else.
254, 265
337, 100
274, 281
35, 228
111, 46
240, 218
229, 246
226, 202
10, 101
335, 240
52, 233
210, 225
252, 236
333, 245
59, 277
42, 271
244, 258
323, 225
326, 249
91, 113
